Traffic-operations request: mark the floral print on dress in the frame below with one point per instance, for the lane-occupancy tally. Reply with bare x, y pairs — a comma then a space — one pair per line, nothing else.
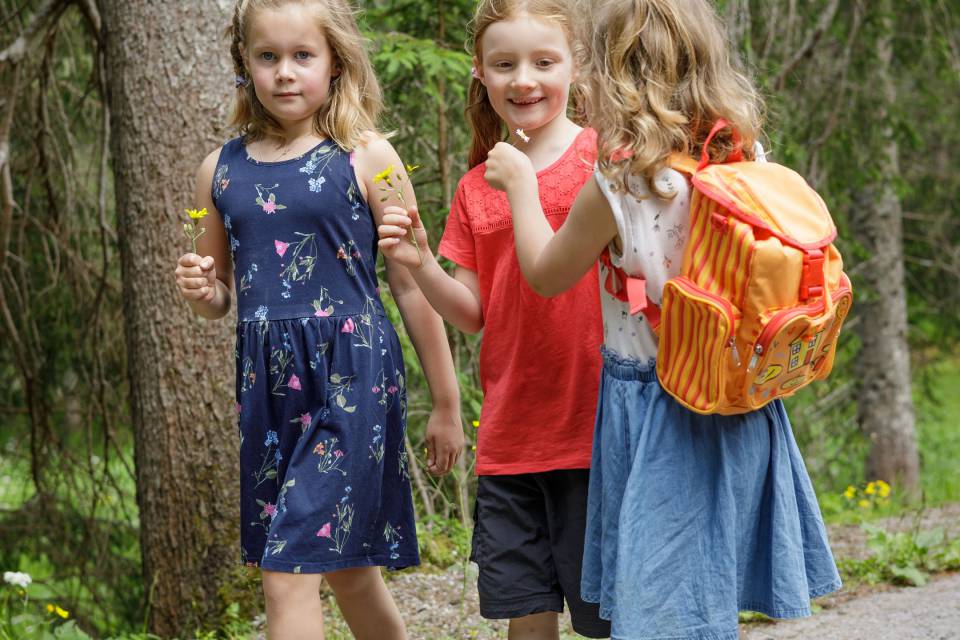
323, 306
246, 280
323, 484
348, 253
271, 460
268, 204
303, 258
220, 181
339, 388
331, 456
337, 531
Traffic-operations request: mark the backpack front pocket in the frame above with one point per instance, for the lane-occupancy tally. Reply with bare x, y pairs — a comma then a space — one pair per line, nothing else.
796, 346
697, 345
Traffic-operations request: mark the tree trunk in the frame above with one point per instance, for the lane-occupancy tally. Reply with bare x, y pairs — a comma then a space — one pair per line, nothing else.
169, 84
885, 406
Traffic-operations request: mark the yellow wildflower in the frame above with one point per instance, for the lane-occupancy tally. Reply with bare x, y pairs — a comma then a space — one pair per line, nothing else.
63, 613
476, 424
850, 493
49, 608
871, 488
883, 488
384, 176
865, 504
196, 214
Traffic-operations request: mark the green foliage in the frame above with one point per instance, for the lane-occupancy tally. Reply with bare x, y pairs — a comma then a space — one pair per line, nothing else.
902, 558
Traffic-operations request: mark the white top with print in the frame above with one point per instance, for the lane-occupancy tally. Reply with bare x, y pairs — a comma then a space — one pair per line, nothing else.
653, 233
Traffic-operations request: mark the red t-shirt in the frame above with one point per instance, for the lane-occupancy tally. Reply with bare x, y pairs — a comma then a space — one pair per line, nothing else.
539, 357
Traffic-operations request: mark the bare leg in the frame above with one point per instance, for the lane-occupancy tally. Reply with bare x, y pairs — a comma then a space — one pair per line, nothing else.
366, 604
537, 626
294, 609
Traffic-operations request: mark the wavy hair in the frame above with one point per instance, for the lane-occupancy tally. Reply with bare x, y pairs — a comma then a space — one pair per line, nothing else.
488, 128
662, 72
354, 101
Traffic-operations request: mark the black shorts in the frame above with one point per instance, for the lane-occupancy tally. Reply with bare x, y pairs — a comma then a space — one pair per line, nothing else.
528, 544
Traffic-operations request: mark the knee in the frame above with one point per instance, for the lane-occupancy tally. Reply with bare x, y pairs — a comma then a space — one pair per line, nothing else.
348, 583
287, 587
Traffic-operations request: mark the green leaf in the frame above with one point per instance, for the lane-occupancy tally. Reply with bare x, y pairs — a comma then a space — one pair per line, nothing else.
911, 575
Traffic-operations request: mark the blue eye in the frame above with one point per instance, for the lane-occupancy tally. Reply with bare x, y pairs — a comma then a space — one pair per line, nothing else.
267, 56
302, 55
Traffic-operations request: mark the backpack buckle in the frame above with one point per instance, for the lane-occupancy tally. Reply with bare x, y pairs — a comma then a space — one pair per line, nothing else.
811, 281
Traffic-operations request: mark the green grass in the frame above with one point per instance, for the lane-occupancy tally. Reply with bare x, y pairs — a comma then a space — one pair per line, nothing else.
938, 435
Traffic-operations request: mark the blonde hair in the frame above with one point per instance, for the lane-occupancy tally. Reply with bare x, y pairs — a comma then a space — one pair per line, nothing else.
487, 126
354, 101
661, 74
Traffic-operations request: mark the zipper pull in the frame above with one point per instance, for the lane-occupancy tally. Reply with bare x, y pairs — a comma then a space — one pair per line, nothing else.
733, 351
757, 352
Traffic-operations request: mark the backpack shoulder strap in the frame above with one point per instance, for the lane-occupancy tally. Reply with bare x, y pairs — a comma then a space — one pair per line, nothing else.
682, 163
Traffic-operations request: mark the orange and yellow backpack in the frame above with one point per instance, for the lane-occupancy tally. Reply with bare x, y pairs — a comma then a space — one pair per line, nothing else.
757, 308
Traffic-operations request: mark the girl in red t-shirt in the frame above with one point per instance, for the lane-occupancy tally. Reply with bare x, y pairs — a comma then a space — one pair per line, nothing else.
539, 358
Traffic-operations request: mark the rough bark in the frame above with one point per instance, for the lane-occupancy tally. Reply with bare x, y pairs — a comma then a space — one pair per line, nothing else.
169, 83
885, 406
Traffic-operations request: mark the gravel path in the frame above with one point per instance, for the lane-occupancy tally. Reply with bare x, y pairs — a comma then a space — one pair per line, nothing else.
443, 605
931, 612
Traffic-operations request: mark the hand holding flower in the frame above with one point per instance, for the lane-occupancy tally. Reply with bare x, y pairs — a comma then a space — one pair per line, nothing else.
399, 224
388, 176
507, 168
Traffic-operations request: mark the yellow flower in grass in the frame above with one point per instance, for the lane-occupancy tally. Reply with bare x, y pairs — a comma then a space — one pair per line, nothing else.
476, 424
196, 214
63, 613
865, 504
883, 488
850, 493
871, 488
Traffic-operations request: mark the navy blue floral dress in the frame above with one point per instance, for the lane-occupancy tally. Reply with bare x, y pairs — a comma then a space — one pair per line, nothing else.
320, 386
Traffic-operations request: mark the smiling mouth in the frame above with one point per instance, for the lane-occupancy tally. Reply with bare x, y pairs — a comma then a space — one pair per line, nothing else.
525, 102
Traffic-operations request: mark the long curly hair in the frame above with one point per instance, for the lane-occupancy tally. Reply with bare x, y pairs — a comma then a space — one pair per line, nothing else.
355, 100
488, 128
662, 72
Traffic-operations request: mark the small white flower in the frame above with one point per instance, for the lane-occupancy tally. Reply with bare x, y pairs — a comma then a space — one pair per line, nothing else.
522, 135
17, 578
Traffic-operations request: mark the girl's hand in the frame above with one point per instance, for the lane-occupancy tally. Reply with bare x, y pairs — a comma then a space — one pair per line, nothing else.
196, 277
444, 441
508, 167
393, 231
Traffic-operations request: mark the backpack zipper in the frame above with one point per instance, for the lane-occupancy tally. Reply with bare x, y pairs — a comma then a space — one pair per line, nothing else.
784, 317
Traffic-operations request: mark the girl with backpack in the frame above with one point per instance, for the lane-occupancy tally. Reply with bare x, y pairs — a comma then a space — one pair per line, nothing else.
692, 517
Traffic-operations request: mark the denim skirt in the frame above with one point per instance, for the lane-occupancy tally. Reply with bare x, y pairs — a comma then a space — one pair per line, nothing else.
693, 518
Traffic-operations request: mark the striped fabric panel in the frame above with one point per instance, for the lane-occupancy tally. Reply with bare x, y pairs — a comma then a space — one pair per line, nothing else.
699, 229
718, 261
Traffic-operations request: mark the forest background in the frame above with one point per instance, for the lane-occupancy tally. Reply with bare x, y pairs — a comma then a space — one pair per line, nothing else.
118, 490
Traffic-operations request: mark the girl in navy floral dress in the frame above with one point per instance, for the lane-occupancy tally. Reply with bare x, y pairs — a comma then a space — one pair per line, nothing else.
325, 487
